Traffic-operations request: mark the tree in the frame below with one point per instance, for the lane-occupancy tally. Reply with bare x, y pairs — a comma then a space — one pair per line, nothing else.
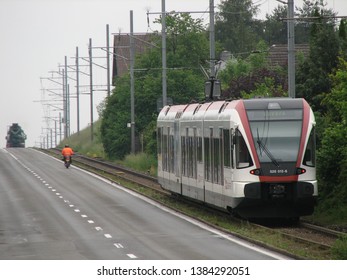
252, 76
313, 74
187, 48
236, 28
343, 37
332, 156
275, 28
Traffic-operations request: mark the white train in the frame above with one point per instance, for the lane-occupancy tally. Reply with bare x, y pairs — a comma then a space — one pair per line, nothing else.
254, 157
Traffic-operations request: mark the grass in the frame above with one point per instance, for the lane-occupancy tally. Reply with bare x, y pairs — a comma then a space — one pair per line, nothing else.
339, 249
82, 142
141, 162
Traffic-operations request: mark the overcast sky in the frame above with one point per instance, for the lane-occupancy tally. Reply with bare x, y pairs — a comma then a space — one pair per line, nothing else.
36, 35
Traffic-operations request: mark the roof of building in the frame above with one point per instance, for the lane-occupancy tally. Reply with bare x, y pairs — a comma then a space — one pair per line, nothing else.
278, 54
121, 50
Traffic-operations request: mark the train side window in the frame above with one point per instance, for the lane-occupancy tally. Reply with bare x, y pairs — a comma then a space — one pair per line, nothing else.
217, 159
194, 154
226, 147
172, 154
159, 140
216, 166
207, 158
165, 151
189, 154
176, 156
208, 155
199, 143
232, 141
243, 157
184, 155
310, 153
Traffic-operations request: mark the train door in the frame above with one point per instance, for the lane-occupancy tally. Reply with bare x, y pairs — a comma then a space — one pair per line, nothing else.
189, 161
192, 162
208, 165
229, 159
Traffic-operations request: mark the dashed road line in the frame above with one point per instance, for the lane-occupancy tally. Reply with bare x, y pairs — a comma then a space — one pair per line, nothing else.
132, 256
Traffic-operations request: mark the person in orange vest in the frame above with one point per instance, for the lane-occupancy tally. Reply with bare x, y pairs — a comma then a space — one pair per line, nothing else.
67, 152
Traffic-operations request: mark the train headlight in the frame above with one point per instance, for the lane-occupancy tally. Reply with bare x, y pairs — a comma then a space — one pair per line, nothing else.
255, 172
300, 171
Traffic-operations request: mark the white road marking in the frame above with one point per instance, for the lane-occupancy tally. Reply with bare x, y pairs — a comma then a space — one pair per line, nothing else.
98, 228
132, 256
108, 235
118, 245
77, 210
91, 221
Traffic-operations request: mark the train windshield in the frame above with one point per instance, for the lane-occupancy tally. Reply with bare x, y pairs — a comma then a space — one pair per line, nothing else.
276, 134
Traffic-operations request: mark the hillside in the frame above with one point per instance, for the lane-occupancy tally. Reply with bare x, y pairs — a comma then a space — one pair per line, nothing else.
81, 142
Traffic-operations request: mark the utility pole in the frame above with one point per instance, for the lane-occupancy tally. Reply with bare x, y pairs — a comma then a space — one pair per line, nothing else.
163, 52
68, 109
108, 59
64, 103
291, 50
60, 132
78, 91
91, 89
67, 120
212, 40
132, 83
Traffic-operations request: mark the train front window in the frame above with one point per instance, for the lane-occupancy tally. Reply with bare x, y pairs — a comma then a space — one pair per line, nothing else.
276, 135
310, 153
243, 157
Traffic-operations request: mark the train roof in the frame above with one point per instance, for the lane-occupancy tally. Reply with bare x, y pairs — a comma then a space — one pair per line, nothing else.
273, 103
249, 104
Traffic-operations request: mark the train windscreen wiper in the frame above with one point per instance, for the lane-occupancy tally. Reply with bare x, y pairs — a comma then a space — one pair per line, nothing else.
266, 150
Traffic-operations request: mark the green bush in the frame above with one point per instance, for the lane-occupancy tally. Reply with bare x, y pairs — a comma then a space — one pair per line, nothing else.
339, 249
141, 162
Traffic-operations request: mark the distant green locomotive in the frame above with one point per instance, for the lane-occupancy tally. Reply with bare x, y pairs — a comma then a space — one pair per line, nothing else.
15, 136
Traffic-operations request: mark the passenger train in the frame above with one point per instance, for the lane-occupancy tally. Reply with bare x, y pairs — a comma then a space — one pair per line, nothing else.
255, 157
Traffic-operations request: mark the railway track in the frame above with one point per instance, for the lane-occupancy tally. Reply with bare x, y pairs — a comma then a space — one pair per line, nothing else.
303, 233
307, 233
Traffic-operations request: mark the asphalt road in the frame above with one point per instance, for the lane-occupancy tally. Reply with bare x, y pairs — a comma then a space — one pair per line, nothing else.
50, 212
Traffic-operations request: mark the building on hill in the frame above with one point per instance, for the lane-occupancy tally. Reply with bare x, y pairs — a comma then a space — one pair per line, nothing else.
278, 54
121, 51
